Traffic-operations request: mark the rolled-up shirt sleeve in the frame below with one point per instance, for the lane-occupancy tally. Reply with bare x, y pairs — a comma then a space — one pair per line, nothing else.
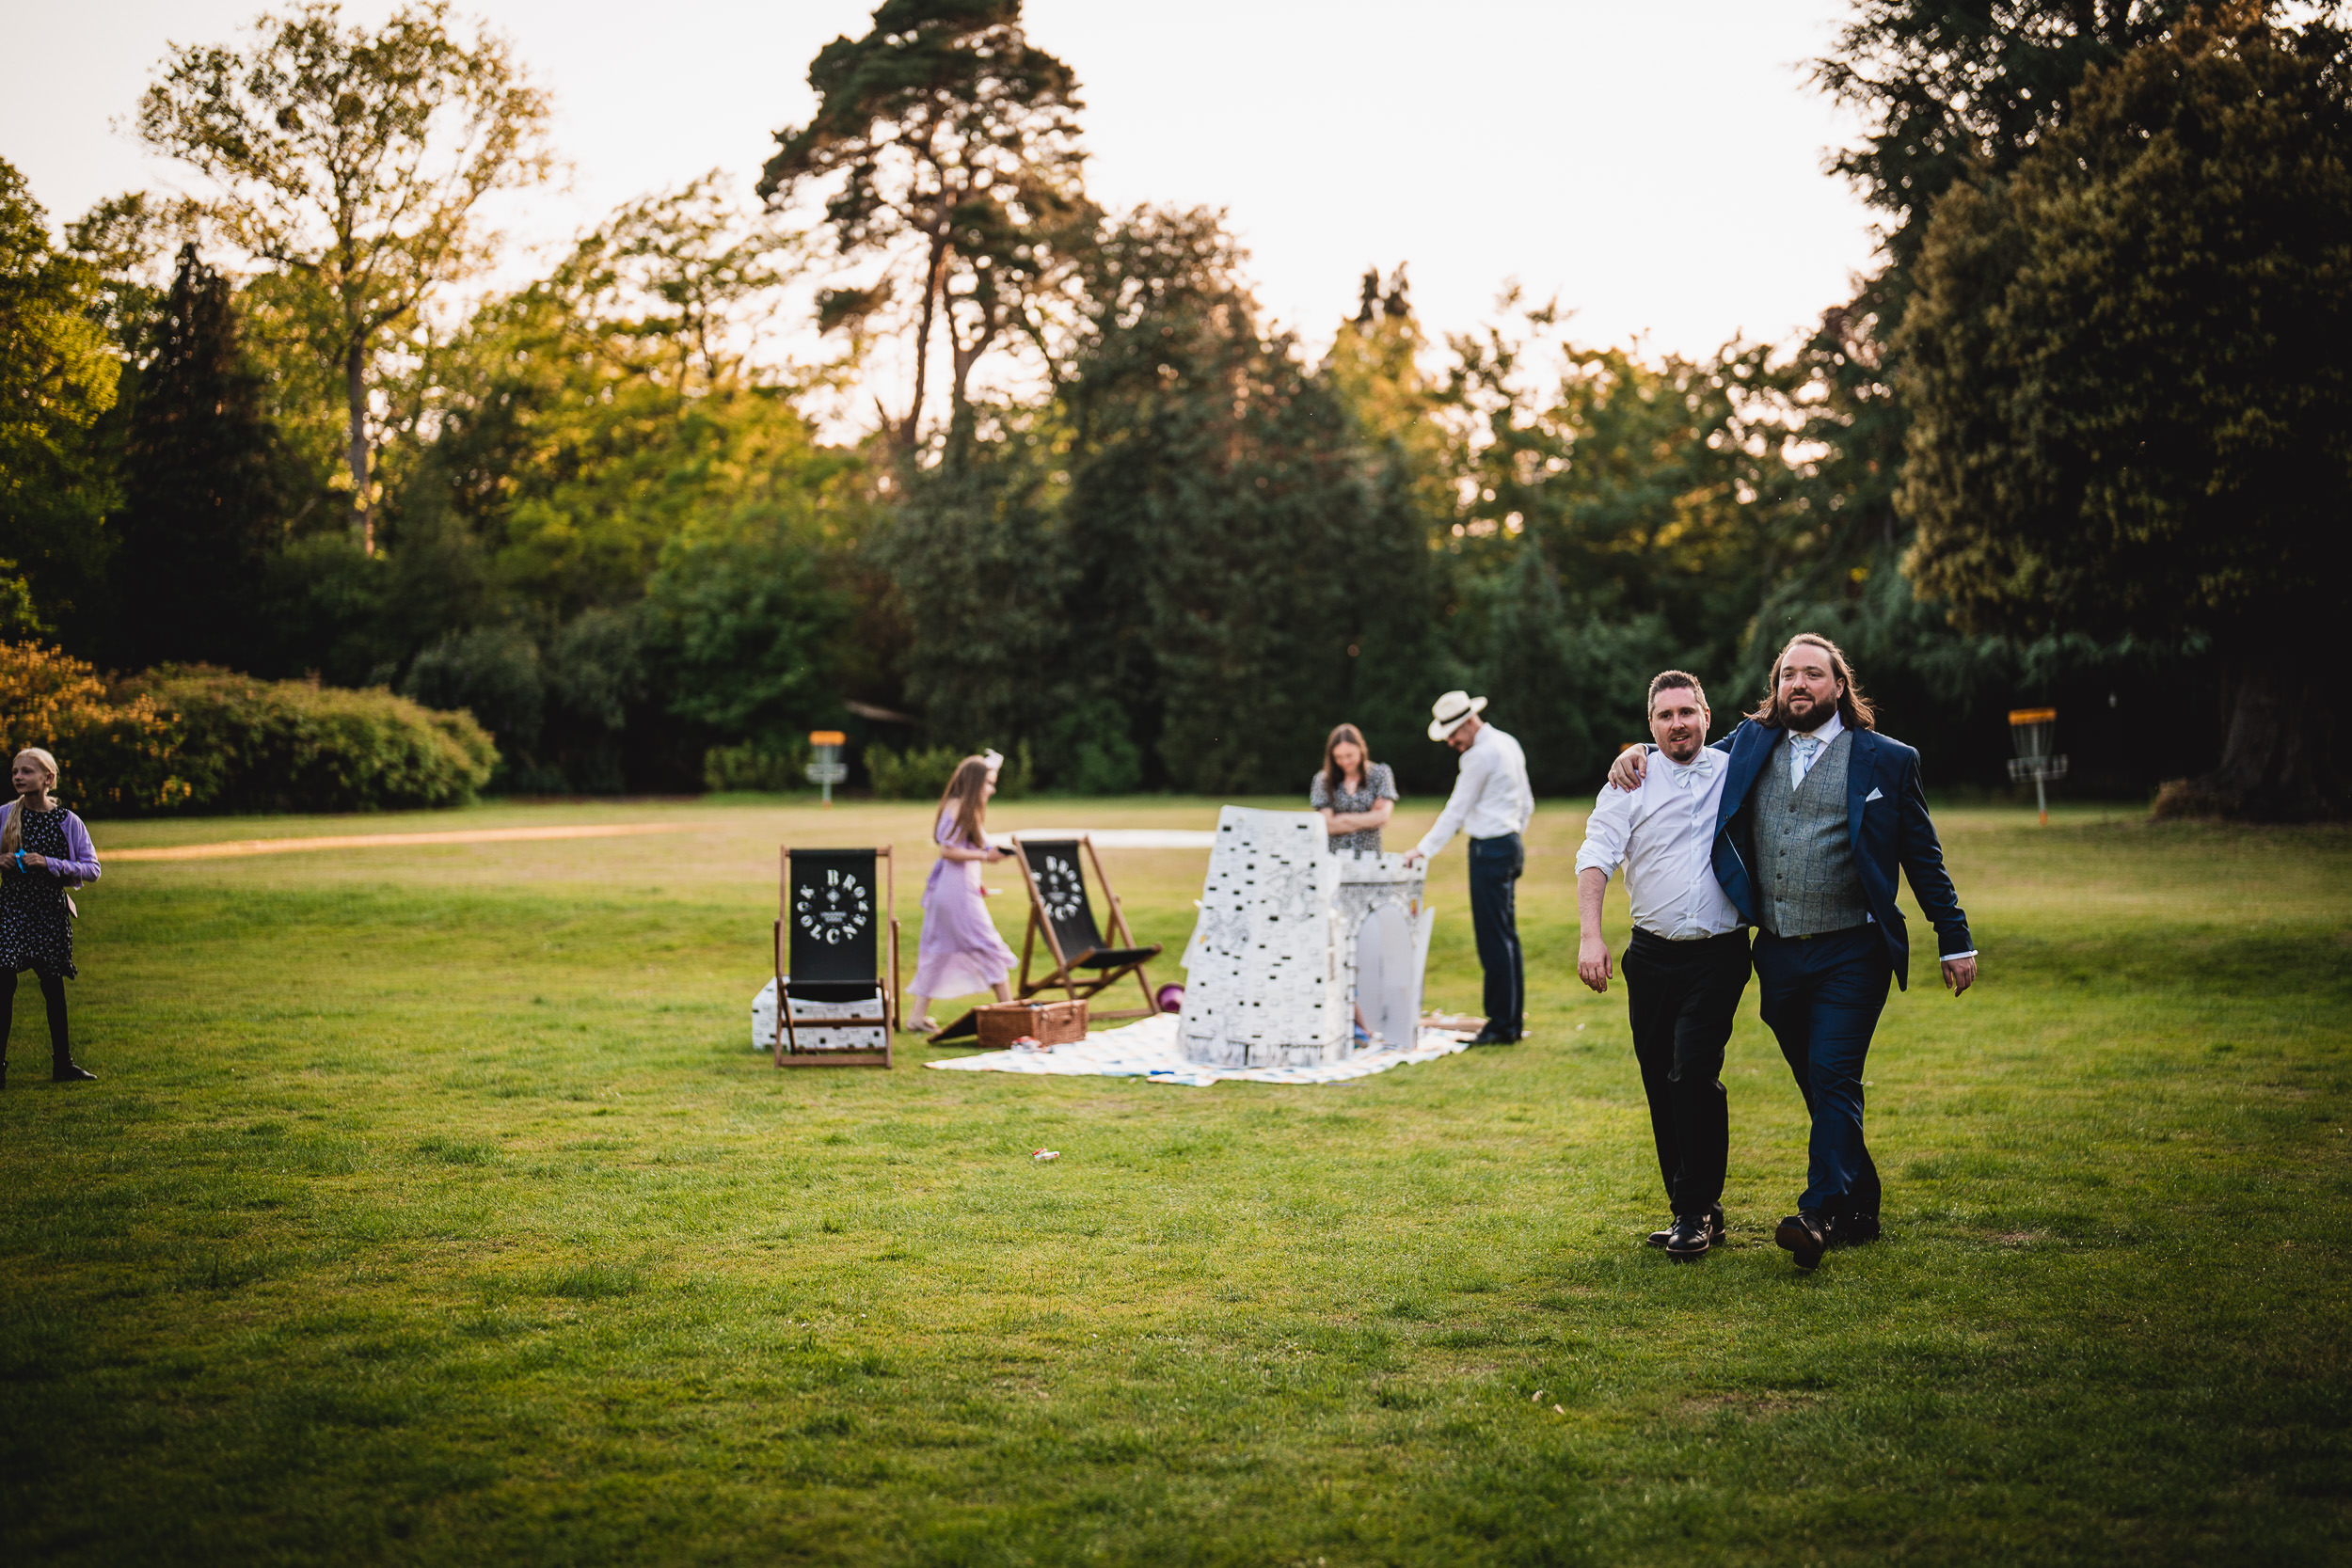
1606, 833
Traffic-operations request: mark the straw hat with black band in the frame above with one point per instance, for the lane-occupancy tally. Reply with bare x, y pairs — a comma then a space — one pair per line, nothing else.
1451, 711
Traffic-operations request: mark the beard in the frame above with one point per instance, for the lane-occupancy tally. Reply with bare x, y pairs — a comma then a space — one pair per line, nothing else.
1813, 717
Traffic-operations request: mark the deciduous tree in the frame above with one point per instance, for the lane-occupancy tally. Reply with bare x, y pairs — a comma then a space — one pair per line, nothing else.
58, 375
356, 161
2130, 366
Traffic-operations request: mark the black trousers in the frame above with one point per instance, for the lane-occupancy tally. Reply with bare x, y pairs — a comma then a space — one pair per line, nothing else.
51, 992
1821, 998
1682, 997
1495, 865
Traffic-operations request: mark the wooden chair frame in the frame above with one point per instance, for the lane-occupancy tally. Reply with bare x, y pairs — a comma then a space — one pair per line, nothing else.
1077, 988
788, 1049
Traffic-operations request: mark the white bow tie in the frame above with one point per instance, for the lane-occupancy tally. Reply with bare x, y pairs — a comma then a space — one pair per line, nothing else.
1686, 774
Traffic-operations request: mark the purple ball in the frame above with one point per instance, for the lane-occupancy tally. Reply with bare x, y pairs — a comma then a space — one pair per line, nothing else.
1170, 998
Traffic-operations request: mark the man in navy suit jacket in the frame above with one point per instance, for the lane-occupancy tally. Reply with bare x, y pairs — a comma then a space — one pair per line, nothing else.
1818, 809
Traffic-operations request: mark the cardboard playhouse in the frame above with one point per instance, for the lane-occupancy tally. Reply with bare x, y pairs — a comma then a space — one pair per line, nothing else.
1293, 939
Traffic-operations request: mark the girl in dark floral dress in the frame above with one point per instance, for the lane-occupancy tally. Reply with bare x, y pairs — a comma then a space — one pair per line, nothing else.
44, 850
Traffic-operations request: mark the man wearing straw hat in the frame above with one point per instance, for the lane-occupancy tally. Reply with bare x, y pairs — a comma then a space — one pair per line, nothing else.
1492, 802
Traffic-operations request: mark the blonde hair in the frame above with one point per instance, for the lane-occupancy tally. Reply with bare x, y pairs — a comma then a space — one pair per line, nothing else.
13, 836
967, 793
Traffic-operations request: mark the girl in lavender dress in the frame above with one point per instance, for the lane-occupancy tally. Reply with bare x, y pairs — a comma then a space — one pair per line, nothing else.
962, 952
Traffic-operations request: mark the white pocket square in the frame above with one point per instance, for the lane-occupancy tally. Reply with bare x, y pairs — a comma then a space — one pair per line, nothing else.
1874, 795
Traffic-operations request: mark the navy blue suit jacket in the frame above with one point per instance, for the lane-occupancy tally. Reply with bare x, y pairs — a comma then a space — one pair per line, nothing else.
1887, 813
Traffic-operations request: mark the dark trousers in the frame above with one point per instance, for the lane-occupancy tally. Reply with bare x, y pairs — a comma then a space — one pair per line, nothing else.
51, 992
1821, 998
1495, 865
1682, 997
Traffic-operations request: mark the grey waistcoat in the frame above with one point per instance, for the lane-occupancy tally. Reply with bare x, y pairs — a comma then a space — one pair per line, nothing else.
1805, 881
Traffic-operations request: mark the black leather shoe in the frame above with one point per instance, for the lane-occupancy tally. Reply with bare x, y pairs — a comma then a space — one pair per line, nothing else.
1689, 1238
67, 1073
1801, 1236
1714, 1229
1854, 1229
1494, 1036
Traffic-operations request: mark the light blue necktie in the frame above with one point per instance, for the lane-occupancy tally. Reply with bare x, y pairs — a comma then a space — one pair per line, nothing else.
1806, 748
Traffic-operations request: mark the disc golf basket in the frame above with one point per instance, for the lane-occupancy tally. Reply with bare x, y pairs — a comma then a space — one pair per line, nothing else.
837, 981
2034, 731
828, 769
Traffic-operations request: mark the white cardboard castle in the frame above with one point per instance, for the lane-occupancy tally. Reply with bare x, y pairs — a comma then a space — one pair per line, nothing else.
1293, 939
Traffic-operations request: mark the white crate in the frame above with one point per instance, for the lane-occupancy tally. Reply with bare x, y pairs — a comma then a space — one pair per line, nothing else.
808, 1024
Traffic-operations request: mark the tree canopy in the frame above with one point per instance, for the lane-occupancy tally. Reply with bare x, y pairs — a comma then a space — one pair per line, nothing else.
949, 149
354, 161
2127, 363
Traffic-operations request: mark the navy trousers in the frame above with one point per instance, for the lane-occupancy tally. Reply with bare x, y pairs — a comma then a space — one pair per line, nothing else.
1495, 865
1821, 997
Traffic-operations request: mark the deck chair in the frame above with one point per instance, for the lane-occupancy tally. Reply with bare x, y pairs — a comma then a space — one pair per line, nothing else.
1084, 965
833, 907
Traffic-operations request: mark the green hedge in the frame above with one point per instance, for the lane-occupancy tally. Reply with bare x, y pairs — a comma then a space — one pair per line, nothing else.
755, 766
912, 774
247, 745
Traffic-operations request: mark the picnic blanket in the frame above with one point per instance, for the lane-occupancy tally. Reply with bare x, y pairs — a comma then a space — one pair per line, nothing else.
1149, 1049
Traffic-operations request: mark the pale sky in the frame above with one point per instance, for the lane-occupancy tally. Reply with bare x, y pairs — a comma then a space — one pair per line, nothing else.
1655, 167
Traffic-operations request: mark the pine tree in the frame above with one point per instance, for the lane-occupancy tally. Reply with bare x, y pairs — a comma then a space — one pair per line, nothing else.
201, 505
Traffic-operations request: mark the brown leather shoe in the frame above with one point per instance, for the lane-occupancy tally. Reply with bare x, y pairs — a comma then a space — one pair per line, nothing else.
1803, 1238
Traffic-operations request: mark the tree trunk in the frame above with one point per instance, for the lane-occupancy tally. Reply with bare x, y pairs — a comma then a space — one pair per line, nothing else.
933, 281
355, 393
2278, 752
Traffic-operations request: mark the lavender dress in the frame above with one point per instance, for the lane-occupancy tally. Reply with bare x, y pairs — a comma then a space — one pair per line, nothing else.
962, 952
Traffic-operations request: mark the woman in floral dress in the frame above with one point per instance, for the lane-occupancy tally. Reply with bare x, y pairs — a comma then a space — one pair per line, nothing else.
1354, 794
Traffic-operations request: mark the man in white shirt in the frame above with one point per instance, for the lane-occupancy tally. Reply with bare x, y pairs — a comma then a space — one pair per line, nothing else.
1491, 803
1687, 965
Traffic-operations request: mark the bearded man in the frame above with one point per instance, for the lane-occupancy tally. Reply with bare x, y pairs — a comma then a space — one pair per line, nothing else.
1817, 812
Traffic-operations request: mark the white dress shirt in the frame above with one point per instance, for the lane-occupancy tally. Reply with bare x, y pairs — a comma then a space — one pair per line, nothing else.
1491, 798
1663, 833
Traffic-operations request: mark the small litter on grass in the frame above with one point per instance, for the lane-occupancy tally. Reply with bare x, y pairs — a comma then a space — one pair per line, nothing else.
1045, 1154
1557, 1411
1538, 1398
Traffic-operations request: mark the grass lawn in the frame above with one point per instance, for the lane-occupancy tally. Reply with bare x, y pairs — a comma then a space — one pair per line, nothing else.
432, 1207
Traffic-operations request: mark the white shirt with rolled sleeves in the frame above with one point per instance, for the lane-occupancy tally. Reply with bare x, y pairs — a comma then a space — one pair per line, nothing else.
1491, 798
1663, 833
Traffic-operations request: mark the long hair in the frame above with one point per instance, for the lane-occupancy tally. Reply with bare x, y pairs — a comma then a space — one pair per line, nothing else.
1344, 734
1852, 706
966, 795
13, 836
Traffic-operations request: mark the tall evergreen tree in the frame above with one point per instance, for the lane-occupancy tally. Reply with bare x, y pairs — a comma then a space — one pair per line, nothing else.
200, 508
